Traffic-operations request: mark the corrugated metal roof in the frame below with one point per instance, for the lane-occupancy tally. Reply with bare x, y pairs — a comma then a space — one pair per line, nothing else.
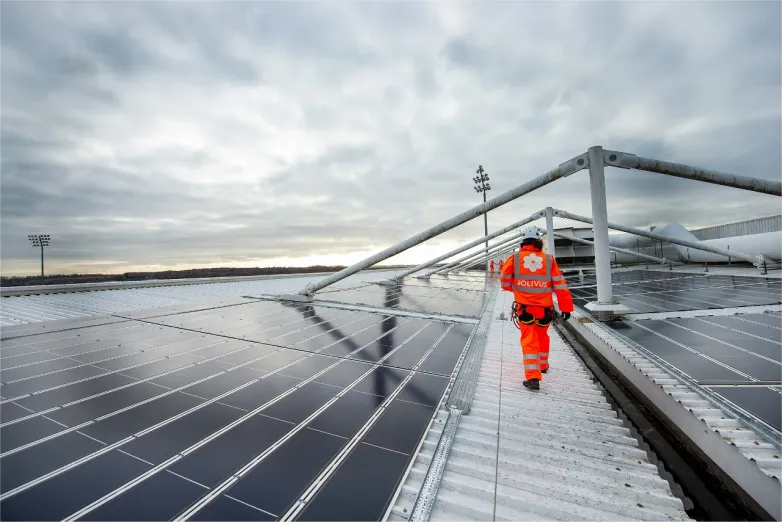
740, 228
732, 429
561, 453
45, 307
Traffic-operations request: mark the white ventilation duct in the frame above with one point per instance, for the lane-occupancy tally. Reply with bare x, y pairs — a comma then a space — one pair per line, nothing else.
769, 244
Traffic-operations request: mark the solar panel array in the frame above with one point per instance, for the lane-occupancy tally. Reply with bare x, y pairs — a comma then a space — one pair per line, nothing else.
243, 412
646, 291
464, 282
734, 355
454, 296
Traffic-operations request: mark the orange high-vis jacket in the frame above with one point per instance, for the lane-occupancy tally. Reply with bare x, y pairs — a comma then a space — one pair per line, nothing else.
533, 276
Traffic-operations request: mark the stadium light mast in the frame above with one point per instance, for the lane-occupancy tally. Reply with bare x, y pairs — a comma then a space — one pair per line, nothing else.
482, 185
40, 240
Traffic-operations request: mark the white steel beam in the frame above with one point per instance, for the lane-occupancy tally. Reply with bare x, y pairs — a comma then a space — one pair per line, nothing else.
566, 169
485, 254
596, 158
477, 256
679, 170
469, 245
471, 264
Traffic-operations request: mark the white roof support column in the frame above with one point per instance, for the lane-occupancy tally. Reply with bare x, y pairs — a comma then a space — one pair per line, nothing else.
550, 231
604, 306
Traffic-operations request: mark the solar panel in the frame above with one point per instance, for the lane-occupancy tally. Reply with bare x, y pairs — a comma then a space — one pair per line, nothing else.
452, 282
412, 297
149, 420
719, 350
763, 402
652, 291
768, 319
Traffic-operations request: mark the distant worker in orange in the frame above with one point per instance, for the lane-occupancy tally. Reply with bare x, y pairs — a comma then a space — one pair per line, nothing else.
533, 276
492, 267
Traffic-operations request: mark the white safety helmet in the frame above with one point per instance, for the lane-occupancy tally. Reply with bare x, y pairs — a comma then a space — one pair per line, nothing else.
530, 233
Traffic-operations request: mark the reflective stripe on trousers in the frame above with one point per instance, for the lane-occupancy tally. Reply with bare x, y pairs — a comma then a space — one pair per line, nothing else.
530, 349
544, 342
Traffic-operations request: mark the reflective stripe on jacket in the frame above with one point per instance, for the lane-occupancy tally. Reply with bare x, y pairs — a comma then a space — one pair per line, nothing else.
532, 276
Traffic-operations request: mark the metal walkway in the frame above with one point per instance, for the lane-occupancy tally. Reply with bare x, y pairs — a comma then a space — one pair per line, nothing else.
559, 454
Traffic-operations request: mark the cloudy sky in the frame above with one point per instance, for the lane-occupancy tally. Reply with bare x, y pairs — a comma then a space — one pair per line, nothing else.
151, 135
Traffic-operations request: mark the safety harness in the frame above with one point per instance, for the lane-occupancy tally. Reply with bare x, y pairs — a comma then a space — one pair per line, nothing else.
521, 316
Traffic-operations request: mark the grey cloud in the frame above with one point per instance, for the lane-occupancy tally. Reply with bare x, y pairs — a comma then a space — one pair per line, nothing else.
113, 41
158, 133
464, 53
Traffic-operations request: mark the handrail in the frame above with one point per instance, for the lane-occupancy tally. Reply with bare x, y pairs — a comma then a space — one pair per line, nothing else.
680, 170
484, 254
477, 261
564, 170
596, 158
469, 245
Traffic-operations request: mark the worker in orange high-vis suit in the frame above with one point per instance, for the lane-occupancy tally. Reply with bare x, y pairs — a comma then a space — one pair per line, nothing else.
492, 267
533, 277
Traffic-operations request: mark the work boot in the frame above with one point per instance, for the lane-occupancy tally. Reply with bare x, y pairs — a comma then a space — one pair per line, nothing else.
532, 384
544, 371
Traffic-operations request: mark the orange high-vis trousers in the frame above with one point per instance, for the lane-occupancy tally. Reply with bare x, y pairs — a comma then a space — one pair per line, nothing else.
535, 343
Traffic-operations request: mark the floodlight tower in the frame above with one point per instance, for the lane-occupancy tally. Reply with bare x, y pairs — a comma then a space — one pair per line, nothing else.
482, 185
40, 240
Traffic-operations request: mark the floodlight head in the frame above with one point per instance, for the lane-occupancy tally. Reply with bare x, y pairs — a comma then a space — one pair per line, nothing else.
39, 240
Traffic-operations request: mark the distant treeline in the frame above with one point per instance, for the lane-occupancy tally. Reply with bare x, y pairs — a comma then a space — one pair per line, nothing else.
62, 279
